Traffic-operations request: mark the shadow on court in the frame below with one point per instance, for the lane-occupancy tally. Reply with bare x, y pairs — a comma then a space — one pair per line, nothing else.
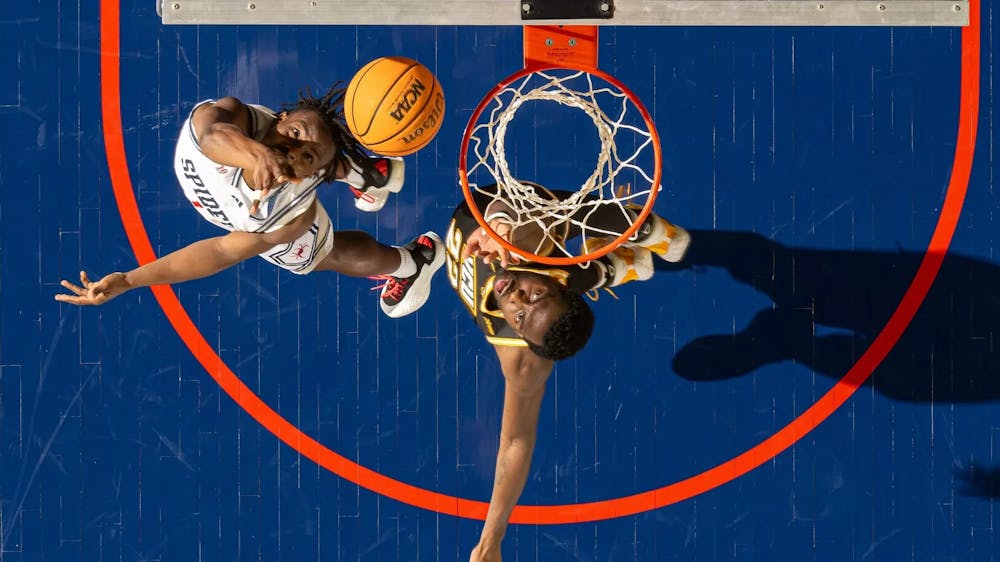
830, 304
979, 480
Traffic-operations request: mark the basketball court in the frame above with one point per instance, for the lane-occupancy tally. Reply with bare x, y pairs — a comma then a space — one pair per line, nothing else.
819, 379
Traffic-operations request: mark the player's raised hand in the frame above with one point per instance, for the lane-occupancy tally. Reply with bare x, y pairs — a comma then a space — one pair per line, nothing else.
481, 245
94, 293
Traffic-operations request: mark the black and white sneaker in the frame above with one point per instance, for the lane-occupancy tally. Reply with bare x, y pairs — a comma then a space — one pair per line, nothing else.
385, 176
404, 295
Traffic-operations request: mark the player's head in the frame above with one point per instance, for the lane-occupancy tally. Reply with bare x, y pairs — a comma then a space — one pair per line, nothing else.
329, 110
327, 143
555, 323
305, 140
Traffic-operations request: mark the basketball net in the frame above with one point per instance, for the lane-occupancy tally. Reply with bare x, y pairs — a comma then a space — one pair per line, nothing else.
627, 170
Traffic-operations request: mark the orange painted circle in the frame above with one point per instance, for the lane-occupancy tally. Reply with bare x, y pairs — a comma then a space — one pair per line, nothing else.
548, 514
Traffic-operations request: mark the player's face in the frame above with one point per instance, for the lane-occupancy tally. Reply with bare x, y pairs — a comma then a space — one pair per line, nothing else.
529, 302
305, 140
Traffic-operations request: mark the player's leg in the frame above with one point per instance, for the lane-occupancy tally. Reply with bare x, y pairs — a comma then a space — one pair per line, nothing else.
663, 238
593, 220
358, 254
406, 269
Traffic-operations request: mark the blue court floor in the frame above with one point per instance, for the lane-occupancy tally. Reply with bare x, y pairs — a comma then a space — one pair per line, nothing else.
816, 168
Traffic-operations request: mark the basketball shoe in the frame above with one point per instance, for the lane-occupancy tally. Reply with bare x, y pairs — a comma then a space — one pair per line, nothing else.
404, 295
624, 263
373, 184
663, 238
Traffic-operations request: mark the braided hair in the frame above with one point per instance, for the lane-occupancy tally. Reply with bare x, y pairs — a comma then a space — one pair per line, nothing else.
330, 108
569, 333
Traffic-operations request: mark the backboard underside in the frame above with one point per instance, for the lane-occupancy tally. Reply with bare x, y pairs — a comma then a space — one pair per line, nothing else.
581, 12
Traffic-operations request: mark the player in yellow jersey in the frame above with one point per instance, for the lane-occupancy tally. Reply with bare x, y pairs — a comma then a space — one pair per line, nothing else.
533, 315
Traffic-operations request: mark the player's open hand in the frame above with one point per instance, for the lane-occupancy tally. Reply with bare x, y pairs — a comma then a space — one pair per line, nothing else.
94, 293
484, 247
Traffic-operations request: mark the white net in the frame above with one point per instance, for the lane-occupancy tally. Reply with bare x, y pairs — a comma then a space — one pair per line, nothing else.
628, 156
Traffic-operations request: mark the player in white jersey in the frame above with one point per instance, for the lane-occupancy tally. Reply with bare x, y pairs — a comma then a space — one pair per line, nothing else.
255, 173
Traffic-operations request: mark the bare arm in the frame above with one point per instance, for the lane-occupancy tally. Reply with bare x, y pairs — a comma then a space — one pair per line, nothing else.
221, 129
197, 260
525, 374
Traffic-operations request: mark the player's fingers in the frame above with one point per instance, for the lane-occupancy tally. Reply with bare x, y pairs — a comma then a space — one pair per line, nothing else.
82, 299
261, 195
261, 176
84, 279
283, 172
73, 288
473, 247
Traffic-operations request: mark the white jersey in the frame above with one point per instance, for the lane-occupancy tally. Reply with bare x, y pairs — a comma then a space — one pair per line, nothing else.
221, 195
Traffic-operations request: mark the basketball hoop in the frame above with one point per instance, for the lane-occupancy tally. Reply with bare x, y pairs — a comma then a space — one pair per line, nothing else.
629, 154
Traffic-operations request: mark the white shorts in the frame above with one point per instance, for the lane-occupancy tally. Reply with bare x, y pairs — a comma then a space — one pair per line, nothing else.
304, 254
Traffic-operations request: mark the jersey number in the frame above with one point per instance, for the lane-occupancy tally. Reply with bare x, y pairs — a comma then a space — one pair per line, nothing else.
461, 275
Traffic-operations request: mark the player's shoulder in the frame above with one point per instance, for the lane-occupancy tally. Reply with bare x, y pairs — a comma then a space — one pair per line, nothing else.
229, 108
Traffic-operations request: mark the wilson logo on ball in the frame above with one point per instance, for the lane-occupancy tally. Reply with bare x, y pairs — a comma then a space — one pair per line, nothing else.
430, 123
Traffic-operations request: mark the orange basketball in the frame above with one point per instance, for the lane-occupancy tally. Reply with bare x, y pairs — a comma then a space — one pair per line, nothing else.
394, 106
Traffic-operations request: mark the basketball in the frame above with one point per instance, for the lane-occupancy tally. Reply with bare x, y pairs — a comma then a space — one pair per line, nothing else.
394, 106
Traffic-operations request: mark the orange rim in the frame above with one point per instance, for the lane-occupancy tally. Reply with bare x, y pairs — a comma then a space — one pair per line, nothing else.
560, 260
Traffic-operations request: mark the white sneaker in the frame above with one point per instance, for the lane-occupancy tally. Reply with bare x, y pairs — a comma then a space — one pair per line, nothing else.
402, 296
372, 189
678, 246
627, 263
665, 239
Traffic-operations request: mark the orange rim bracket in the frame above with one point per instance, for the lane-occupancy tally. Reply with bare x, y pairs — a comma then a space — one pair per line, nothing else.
570, 46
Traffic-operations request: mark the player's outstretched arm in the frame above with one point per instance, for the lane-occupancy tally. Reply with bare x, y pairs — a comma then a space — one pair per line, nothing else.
201, 259
525, 375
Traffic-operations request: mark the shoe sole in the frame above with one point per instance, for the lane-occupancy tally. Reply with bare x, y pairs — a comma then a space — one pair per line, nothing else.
420, 285
678, 246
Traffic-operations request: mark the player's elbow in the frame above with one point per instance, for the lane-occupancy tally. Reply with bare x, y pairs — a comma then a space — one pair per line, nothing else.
520, 443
